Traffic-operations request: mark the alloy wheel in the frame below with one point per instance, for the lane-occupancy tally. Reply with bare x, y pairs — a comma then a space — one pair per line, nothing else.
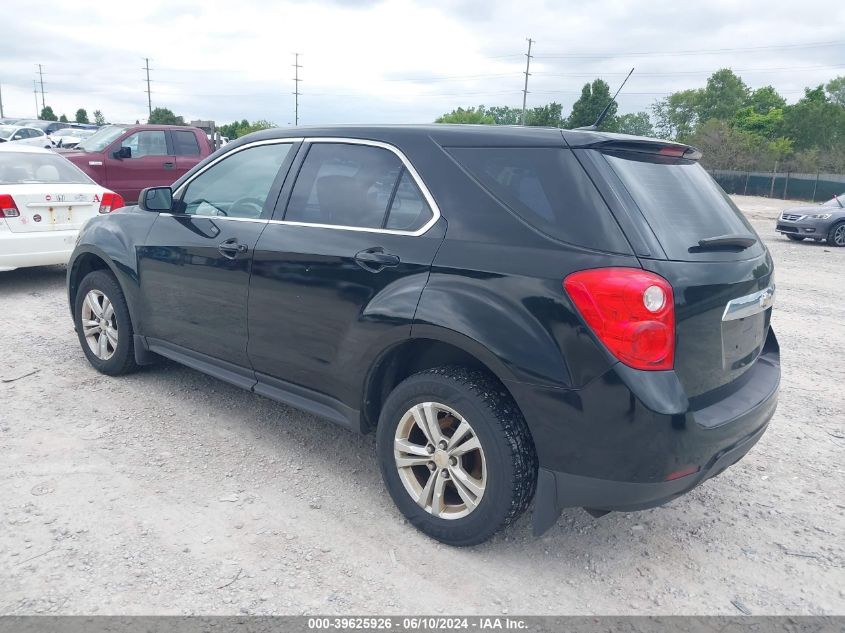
440, 460
99, 324
839, 235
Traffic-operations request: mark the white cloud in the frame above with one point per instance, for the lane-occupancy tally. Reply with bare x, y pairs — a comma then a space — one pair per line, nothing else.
225, 60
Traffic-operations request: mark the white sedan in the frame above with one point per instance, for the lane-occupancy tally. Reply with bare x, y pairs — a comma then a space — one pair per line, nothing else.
70, 137
23, 135
44, 201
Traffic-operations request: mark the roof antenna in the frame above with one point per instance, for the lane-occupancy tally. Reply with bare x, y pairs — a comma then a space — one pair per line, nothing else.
603, 114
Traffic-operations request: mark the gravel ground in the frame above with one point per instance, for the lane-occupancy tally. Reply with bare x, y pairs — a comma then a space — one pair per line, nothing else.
169, 492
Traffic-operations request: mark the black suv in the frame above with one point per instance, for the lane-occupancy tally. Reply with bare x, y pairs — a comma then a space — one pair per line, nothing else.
571, 316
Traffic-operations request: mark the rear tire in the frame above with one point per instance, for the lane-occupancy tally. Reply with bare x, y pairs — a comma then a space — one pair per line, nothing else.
794, 238
103, 324
472, 492
836, 237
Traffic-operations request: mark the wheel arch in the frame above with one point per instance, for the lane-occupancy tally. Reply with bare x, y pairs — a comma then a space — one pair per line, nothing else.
413, 355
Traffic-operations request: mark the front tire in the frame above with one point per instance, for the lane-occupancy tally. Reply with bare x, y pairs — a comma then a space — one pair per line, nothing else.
836, 237
103, 324
456, 454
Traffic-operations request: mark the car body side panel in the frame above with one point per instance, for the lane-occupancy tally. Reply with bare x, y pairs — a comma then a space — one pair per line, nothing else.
115, 239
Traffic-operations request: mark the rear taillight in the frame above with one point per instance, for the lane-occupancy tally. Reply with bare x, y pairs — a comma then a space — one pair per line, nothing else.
632, 312
8, 208
111, 202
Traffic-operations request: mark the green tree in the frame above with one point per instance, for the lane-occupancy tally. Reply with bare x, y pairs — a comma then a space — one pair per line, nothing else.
768, 125
676, 116
470, 115
724, 94
236, 129
81, 116
549, 115
505, 115
63, 118
836, 90
594, 97
815, 121
636, 123
764, 99
99, 118
164, 116
47, 114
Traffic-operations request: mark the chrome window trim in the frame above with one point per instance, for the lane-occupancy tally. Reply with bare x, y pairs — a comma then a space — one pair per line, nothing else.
432, 205
749, 305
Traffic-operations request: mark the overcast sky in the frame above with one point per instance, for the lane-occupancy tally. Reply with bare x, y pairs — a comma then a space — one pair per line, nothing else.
398, 60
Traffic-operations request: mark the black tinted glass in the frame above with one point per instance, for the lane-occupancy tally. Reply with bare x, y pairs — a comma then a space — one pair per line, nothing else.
680, 201
185, 143
547, 188
409, 211
344, 185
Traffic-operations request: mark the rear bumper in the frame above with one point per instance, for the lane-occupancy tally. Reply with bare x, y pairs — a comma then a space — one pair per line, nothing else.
634, 441
38, 248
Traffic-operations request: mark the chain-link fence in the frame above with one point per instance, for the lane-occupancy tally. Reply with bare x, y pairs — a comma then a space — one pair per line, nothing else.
786, 185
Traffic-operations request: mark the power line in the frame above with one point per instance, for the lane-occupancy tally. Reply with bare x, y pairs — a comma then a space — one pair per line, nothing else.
701, 51
41, 75
149, 95
525, 89
296, 80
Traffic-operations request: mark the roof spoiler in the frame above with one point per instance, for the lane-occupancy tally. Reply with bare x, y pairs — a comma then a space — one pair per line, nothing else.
649, 146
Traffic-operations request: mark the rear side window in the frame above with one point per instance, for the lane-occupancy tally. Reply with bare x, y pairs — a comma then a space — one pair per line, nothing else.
680, 201
361, 186
185, 143
548, 188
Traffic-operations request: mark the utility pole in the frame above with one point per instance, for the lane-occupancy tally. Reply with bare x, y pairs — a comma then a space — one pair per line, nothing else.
149, 97
1, 102
35, 94
296, 80
525, 89
41, 75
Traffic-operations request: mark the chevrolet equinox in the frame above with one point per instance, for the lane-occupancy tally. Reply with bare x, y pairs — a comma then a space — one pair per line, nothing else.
573, 317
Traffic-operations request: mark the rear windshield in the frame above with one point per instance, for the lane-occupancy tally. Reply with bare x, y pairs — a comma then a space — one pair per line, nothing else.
680, 201
23, 168
547, 188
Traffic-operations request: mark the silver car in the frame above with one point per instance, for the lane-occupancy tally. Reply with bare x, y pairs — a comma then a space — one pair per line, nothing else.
818, 222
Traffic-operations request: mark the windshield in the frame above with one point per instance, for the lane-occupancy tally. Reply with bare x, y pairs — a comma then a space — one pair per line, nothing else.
101, 139
20, 168
7, 130
838, 201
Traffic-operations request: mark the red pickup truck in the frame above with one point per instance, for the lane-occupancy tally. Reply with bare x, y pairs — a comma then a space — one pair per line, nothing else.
128, 158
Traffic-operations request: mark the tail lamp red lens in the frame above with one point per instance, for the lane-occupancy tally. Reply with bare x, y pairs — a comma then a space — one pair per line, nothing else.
8, 208
632, 311
111, 202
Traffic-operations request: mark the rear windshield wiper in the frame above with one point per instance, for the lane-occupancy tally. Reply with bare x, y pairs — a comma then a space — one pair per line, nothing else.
724, 242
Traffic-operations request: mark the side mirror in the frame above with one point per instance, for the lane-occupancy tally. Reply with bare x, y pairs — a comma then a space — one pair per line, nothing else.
156, 199
123, 152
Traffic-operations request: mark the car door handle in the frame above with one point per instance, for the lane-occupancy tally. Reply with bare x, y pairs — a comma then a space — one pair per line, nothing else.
232, 248
169, 164
374, 259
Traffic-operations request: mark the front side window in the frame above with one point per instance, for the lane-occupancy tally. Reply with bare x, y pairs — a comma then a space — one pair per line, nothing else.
351, 185
238, 185
146, 143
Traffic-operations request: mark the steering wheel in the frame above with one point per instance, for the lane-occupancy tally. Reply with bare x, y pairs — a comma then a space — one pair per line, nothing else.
248, 201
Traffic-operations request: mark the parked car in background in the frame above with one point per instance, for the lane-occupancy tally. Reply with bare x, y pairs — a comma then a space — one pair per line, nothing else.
510, 310
44, 201
20, 135
128, 158
70, 137
48, 127
818, 222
